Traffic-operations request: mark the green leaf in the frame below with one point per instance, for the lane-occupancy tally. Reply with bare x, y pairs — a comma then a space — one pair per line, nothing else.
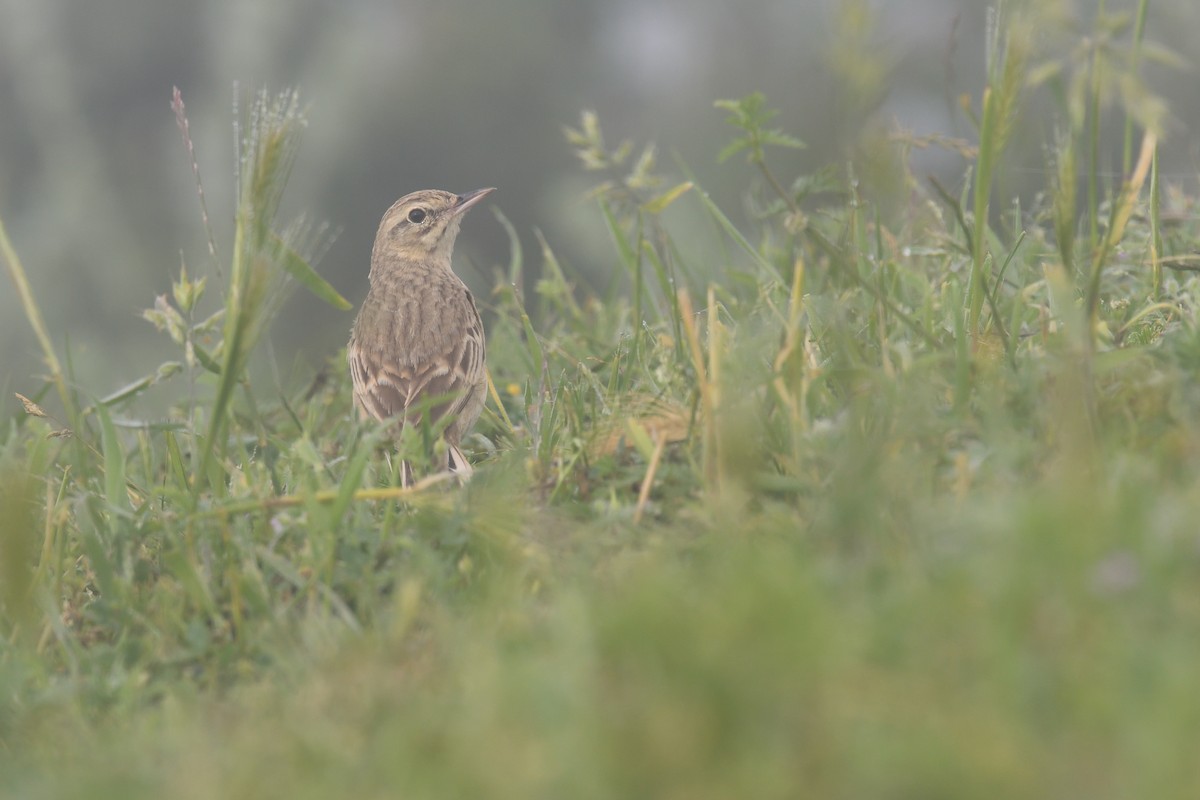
733, 148
114, 463
641, 439
746, 112
164, 371
185, 569
302, 271
352, 479
175, 460
1159, 54
782, 139
211, 323
727, 225
516, 257
826, 179
624, 248
535, 345
660, 203
206, 360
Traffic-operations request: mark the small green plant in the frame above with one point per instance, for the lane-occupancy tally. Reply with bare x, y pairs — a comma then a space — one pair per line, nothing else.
750, 116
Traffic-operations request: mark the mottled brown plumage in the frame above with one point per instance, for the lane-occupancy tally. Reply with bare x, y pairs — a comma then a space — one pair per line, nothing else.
418, 341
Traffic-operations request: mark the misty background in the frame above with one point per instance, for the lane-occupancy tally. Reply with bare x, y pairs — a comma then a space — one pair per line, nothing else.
98, 195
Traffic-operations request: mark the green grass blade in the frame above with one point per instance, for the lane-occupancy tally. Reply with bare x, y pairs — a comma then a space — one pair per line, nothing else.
299, 268
16, 272
516, 257
731, 230
352, 478
114, 464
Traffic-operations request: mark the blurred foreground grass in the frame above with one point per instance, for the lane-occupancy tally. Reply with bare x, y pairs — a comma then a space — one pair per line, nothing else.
878, 501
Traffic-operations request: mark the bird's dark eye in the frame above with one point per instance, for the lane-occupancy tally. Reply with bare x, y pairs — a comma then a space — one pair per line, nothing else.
416, 216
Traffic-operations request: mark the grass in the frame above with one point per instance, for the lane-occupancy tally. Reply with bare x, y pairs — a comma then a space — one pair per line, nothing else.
887, 499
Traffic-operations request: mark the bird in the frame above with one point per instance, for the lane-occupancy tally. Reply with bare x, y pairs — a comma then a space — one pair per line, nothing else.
417, 349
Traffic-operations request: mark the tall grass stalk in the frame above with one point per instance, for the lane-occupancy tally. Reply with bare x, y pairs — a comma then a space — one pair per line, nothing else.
1156, 240
262, 255
706, 388
1122, 210
1135, 58
267, 153
1093, 109
1006, 64
33, 314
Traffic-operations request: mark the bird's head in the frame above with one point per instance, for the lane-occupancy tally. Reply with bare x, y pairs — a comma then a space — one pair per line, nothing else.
422, 226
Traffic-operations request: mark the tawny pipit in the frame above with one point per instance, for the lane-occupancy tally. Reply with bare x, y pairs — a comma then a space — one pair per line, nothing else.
417, 344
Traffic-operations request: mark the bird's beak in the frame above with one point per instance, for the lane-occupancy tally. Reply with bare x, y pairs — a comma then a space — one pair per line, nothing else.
469, 199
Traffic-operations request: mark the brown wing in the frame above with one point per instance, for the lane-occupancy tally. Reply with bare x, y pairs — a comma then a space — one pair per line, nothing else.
386, 387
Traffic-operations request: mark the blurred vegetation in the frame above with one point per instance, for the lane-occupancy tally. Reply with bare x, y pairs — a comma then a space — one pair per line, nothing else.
882, 486
99, 198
